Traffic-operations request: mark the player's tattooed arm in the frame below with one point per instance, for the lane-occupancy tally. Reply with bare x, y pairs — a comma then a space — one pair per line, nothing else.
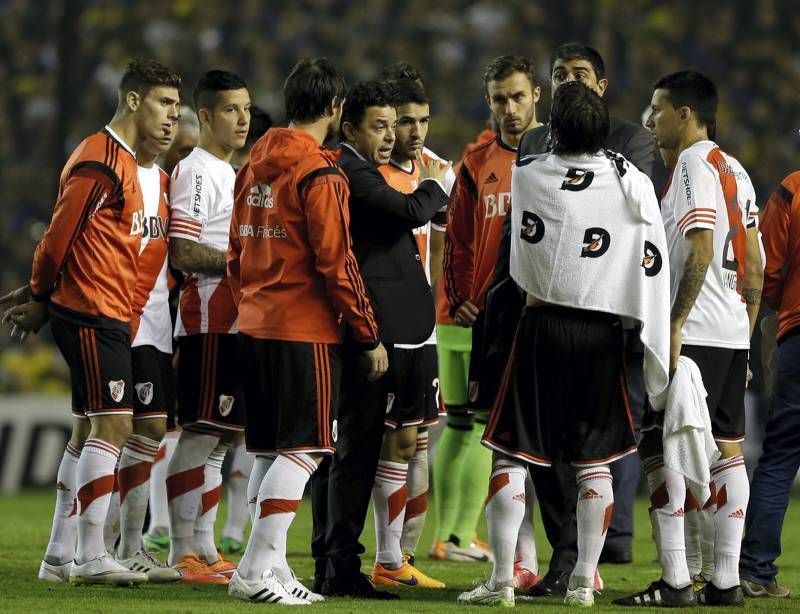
191, 257
753, 277
701, 251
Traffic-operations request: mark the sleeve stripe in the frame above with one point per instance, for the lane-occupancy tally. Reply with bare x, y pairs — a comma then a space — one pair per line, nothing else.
303, 184
177, 224
706, 218
698, 223
177, 219
712, 212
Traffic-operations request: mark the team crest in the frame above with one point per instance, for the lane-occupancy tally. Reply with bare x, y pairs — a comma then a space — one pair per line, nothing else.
389, 402
335, 430
596, 242
651, 262
532, 227
145, 392
117, 390
225, 404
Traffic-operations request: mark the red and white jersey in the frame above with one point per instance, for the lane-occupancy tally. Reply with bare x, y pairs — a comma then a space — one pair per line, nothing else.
201, 199
710, 190
151, 323
405, 179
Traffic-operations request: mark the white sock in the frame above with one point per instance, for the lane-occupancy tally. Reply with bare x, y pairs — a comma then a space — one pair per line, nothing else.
159, 510
667, 496
133, 476
278, 499
261, 465
95, 480
236, 492
61, 547
209, 505
594, 510
111, 524
389, 497
525, 553
185, 479
505, 511
708, 533
691, 533
733, 494
417, 504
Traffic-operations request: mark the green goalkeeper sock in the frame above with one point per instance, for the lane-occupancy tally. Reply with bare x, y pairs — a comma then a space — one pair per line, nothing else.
448, 467
473, 487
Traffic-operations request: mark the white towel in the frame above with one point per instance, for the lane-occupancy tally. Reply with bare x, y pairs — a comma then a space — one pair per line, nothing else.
587, 233
689, 446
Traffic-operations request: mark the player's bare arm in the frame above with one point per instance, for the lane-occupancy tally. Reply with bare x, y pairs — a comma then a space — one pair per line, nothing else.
192, 257
701, 251
753, 277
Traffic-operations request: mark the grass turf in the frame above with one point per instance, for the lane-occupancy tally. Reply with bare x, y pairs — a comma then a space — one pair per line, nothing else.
26, 524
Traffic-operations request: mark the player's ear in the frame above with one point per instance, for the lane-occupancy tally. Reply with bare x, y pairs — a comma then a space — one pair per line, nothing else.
602, 84
204, 115
349, 131
684, 113
133, 100
537, 94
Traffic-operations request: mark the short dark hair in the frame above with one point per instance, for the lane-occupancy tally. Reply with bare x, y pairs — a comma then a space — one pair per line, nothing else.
504, 66
260, 122
210, 83
579, 51
400, 70
363, 95
689, 88
310, 88
579, 121
407, 91
142, 75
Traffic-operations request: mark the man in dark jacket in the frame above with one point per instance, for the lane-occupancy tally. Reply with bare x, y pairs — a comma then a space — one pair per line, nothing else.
555, 486
381, 224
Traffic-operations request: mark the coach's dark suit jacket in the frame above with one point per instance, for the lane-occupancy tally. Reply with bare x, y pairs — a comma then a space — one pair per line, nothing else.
381, 221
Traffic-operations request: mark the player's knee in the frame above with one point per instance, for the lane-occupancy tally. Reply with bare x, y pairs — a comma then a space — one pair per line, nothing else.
81, 428
153, 428
113, 429
729, 449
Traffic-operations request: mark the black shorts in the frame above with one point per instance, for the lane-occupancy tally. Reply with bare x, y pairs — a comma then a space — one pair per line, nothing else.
209, 386
99, 361
412, 394
724, 372
486, 369
291, 391
563, 396
153, 383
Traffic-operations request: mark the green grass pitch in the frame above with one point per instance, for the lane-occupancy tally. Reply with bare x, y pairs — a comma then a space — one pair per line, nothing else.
25, 528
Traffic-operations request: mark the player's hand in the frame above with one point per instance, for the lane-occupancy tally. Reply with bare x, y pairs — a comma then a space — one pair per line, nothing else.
466, 314
376, 362
431, 168
16, 297
675, 344
26, 318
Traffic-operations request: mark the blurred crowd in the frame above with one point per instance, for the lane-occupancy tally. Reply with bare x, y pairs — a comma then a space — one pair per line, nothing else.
62, 62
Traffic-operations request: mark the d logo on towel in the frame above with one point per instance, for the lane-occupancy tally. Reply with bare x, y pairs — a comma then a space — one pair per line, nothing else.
596, 242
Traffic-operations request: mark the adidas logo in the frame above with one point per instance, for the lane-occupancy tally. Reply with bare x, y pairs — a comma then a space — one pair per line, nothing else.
253, 501
61, 486
678, 513
591, 494
737, 514
519, 497
492, 178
